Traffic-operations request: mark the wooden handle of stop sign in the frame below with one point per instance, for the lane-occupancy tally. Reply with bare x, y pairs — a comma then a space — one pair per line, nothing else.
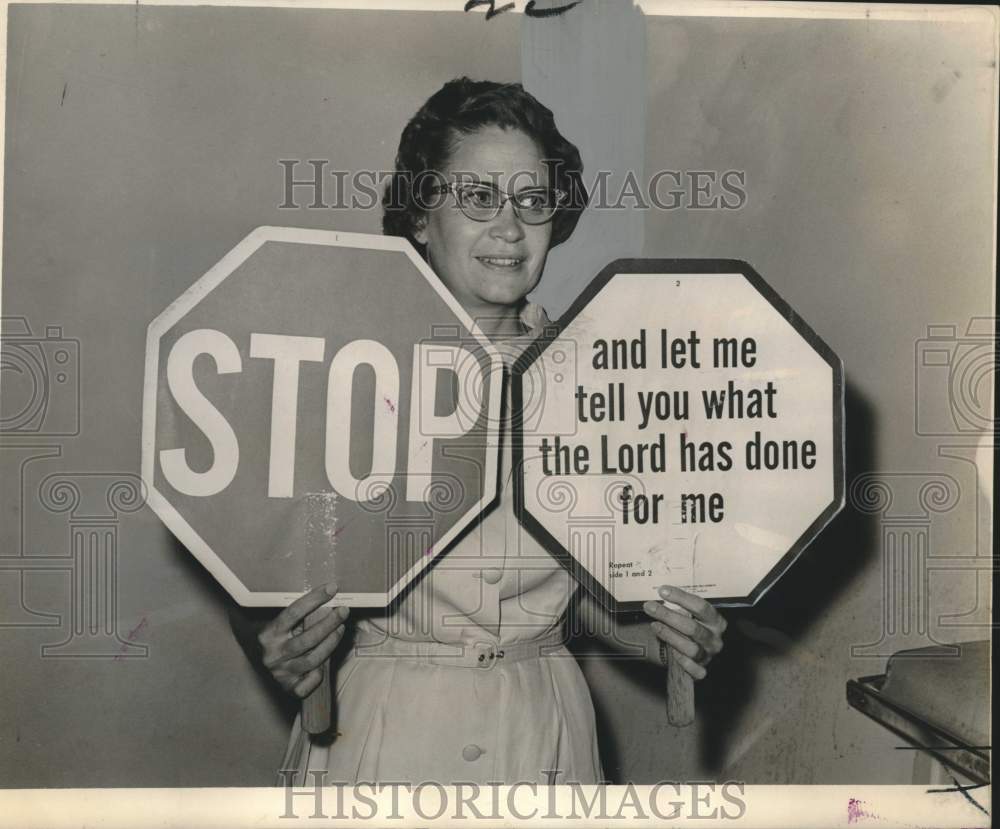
317, 708
680, 691
680, 684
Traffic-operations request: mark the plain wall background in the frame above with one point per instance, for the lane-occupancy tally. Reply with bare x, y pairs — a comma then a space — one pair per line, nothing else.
143, 143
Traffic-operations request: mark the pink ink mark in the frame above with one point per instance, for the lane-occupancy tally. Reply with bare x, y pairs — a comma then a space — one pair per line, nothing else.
131, 636
428, 551
390, 404
341, 528
855, 812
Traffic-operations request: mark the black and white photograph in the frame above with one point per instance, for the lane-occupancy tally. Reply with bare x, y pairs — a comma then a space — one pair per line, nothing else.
497, 413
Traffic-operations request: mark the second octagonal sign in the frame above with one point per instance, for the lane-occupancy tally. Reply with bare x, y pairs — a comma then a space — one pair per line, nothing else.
686, 429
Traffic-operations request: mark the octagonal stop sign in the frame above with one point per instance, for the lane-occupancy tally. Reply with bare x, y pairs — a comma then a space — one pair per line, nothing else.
698, 442
317, 408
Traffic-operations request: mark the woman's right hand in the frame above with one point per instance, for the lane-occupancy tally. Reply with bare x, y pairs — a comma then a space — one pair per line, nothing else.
295, 655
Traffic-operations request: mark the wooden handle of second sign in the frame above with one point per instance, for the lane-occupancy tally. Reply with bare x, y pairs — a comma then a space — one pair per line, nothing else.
317, 708
680, 692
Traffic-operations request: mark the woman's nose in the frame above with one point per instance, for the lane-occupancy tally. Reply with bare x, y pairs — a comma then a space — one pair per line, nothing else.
506, 225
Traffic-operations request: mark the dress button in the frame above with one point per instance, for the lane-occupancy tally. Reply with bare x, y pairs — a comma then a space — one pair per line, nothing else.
492, 575
472, 752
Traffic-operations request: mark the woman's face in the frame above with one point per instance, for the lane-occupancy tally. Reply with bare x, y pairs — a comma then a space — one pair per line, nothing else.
491, 265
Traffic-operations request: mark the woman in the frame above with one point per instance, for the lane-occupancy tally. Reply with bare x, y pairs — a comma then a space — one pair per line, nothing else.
466, 678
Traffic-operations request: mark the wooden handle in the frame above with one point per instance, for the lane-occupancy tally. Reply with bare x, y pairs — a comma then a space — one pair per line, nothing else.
680, 692
317, 708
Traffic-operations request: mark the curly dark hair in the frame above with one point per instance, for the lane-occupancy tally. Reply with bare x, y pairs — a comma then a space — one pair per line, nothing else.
459, 108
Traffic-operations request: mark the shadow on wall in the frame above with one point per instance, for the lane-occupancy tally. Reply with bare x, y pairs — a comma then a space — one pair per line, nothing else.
810, 589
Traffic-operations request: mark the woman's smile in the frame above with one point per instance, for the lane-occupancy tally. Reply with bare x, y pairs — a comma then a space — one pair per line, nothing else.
501, 263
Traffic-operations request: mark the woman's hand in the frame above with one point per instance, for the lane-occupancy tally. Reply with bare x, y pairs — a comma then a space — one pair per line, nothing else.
295, 655
696, 638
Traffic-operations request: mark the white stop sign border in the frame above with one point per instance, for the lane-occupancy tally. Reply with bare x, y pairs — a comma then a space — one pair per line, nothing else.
688, 267
211, 280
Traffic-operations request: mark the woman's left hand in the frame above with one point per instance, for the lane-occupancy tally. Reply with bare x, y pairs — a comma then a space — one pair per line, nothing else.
696, 638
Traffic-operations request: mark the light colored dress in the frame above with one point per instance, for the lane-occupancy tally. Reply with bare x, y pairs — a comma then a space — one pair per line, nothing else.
467, 679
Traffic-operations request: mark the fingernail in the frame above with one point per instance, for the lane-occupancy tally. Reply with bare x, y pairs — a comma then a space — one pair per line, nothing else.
664, 591
649, 607
331, 589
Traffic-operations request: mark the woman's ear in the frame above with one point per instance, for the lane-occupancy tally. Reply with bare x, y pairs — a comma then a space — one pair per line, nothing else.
420, 229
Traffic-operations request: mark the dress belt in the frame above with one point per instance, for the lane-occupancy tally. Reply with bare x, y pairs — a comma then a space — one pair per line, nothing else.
371, 643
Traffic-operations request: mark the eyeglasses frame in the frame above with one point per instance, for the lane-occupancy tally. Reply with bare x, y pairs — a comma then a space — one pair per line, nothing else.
453, 186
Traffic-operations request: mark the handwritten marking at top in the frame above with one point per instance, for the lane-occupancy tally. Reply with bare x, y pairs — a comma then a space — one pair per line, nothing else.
492, 11
553, 11
530, 10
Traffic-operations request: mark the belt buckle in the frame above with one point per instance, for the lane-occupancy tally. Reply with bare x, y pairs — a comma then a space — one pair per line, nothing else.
486, 655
